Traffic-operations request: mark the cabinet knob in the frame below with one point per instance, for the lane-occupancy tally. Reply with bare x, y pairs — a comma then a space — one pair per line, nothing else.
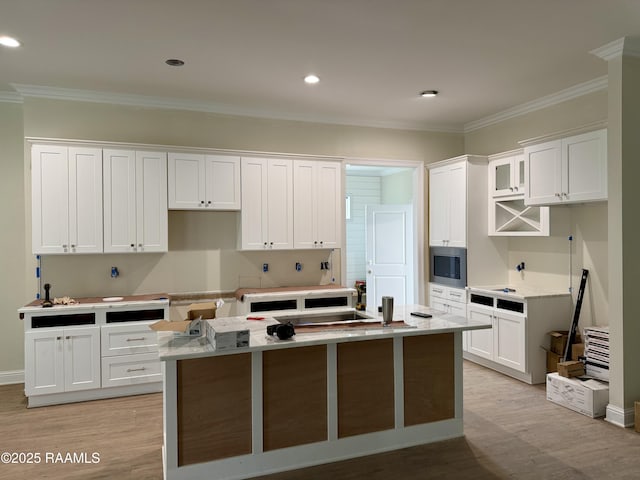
67, 337
515, 188
265, 244
73, 246
321, 243
132, 245
511, 188
558, 195
58, 338
201, 202
315, 242
271, 244
209, 202
140, 245
64, 245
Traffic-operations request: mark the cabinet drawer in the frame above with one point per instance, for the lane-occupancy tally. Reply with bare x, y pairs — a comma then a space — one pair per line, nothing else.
128, 339
437, 291
456, 295
131, 370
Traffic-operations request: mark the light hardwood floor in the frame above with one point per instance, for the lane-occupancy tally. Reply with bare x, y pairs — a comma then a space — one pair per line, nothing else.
511, 432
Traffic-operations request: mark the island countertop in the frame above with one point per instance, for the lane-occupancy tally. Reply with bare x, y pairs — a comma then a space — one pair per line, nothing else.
173, 347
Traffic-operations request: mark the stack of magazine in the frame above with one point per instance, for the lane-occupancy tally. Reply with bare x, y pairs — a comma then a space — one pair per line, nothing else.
596, 352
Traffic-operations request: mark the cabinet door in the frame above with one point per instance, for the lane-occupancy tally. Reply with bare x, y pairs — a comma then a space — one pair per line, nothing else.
585, 164
518, 174
458, 205
254, 198
329, 204
305, 201
502, 175
543, 173
480, 342
439, 206
279, 204
456, 308
81, 358
50, 199
439, 304
43, 362
85, 200
151, 202
120, 223
186, 181
222, 185
509, 340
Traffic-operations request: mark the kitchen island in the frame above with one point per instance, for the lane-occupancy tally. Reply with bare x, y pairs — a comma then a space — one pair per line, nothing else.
318, 397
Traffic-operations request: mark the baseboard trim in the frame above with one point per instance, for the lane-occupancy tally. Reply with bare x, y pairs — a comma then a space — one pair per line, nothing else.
11, 377
621, 417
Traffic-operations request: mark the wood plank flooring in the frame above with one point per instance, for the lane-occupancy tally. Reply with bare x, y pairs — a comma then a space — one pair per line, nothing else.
511, 432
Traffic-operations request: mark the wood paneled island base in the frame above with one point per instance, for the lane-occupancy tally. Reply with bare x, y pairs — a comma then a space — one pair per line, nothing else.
247, 412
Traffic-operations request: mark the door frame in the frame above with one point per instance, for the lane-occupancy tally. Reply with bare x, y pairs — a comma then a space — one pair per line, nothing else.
418, 204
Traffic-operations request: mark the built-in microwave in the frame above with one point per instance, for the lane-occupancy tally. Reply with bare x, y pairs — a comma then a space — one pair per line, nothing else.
448, 266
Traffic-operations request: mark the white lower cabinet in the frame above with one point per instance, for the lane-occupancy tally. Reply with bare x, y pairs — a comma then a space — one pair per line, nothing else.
91, 351
62, 360
129, 354
504, 343
520, 328
448, 299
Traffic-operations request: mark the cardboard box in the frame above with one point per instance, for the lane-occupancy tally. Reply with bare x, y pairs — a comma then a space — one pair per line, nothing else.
637, 415
558, 341
588, 397
225, 337
185, 327
205, 310
572, 368
577, 351
552, 361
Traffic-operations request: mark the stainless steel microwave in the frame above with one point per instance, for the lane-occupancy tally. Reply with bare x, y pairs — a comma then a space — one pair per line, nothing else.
448, 266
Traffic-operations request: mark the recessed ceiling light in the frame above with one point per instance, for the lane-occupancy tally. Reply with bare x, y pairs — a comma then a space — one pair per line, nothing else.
174, 62
429, 93
9, 42
311, 79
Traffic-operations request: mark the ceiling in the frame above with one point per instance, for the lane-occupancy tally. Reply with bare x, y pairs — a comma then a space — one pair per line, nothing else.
373, 57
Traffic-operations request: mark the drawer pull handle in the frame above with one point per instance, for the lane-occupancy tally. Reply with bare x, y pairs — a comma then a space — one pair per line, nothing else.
136, 369
136, 339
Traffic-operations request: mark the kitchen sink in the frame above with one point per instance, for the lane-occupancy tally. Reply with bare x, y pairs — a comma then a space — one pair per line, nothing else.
327, 317
506, 290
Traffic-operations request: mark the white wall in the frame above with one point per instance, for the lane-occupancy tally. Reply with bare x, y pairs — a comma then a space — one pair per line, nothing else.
363, 191
13, 291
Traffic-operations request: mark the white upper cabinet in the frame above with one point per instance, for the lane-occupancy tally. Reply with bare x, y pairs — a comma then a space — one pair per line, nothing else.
448, 205
568, 170
506, 175
66, 199
203, 182
508, 214
135, 201
316, 204
267, 204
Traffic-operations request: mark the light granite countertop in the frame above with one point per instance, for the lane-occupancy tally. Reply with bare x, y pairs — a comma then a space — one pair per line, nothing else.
175, 347
516, 292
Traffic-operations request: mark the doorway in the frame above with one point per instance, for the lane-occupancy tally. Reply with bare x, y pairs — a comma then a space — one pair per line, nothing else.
384, 229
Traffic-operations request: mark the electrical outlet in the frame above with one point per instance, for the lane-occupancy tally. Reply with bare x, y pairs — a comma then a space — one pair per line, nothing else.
265, 267
298, 266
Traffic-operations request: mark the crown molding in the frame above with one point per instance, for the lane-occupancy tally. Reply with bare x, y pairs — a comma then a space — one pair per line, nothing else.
585, 88
10, 97
627, 46
58, 93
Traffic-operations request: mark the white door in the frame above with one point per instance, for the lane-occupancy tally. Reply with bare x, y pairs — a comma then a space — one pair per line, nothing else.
254, 197
439, 206
186, 181
50, 199
82, 358
44, 371
85, 200
389, 254
120, 222
480, 342
304, 204
222, 182
151, 202
543, 173
457, 190
585, 164
329, 204
509, 340
280, 203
